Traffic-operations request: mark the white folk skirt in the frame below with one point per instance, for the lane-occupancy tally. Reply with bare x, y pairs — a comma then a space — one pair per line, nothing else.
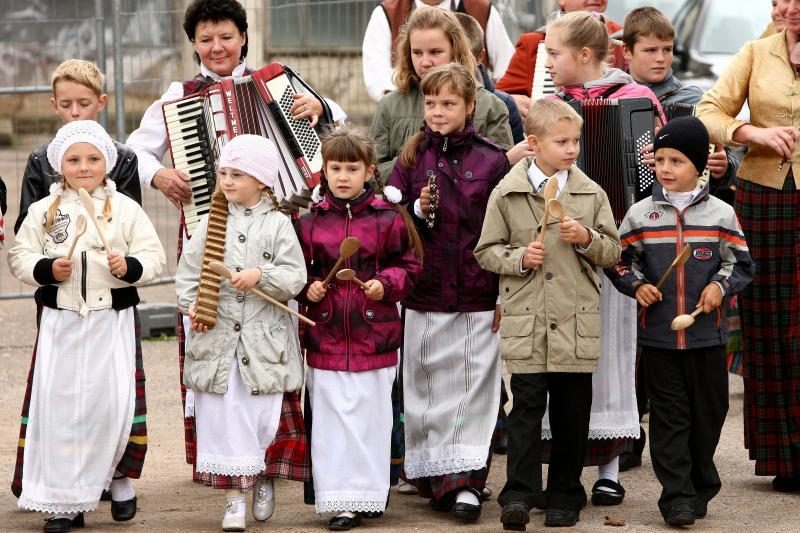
451, 391
614, 411
235, 429
81, 411
351, 438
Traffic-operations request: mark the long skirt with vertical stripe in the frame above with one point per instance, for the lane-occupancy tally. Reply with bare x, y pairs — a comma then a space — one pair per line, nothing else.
82, 405
350, 438
451, 392
614, 421
132, 461
770, 316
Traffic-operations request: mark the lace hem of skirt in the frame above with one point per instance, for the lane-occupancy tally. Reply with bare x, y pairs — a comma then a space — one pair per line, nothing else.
353, 506
228, 467
603, 433
55, 508
443, 466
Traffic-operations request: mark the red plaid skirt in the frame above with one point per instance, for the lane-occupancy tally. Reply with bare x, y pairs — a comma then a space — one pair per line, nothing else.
770, 318
289, 456
132, 460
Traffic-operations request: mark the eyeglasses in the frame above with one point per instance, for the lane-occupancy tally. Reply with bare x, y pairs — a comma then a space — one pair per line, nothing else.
235, 175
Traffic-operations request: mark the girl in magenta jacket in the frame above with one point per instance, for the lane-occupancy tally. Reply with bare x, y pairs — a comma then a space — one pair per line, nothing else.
352, 351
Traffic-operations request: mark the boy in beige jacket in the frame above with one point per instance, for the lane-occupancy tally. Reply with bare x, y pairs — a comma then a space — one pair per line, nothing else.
550, 326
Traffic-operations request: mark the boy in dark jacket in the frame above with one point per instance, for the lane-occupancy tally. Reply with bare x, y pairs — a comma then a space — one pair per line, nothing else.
77, 95
685, 371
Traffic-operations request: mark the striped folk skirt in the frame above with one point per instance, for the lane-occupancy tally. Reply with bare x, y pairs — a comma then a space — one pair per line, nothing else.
770, 317
132, 461
451, 392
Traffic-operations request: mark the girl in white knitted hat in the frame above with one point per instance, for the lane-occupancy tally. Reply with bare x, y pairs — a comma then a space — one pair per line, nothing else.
83, 390
240, 369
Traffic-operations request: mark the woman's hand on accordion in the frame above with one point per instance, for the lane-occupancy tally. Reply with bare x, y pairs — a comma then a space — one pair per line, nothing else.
173, 184
196, 326
648, 156
306, 106
246, 279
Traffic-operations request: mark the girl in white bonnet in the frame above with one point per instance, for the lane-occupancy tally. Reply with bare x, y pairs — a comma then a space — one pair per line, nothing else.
240, 369
83, 384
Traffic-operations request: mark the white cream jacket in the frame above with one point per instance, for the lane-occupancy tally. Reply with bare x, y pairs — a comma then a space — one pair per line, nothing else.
259, 335
91, 285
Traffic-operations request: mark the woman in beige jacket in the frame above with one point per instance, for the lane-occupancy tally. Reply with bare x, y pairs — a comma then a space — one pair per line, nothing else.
768, 205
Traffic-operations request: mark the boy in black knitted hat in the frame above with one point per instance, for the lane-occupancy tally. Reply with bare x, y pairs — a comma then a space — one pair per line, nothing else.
685, 371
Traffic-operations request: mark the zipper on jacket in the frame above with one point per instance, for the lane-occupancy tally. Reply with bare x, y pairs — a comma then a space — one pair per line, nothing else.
444, 146
347, 297
679, 277
83, 276
349, 213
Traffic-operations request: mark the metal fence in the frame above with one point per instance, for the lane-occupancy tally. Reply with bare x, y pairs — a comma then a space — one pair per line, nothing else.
141, 47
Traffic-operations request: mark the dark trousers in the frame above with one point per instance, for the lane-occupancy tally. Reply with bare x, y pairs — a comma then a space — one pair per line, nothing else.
570, 408
688, 391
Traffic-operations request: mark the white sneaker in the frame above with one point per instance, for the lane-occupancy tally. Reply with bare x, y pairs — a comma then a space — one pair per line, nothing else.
406, 488
234, 519
263, 499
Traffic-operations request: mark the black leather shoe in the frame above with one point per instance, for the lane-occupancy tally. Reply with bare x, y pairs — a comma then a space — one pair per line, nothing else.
344, 523
614, 496
105, 496
786, 483
700, 509
680, 515
63, 525
445, 505
123, 511
515, 516
466, 511
561, 518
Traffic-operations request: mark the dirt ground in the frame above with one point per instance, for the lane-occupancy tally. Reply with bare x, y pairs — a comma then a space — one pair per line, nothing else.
169, 501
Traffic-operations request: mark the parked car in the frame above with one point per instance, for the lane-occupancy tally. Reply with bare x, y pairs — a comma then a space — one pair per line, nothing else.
617, 9
708, 33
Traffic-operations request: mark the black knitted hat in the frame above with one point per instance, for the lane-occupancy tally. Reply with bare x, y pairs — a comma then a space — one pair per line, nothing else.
688, 136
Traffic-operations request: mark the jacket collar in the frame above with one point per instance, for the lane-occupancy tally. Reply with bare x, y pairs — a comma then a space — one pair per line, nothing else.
453, 142
516, 181
101, 192
779, 48
355, 205
659, 198
263, 207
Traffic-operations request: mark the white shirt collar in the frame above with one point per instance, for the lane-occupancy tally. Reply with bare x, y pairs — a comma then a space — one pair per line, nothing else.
682, 199
237, 72
445, 4
536, 177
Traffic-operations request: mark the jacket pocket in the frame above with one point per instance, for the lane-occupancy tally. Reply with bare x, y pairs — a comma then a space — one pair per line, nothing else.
266, 340
383, 326
511, 285
322, 311
516, 337
587, 341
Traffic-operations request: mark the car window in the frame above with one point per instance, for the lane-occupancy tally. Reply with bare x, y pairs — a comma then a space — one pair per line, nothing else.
731, 23
685, 21
617, 9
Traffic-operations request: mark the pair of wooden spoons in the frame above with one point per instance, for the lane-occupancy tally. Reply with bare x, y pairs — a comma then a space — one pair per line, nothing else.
347, 248
80, 223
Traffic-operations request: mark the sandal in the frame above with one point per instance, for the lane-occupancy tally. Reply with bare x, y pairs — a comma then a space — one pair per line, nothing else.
607, 497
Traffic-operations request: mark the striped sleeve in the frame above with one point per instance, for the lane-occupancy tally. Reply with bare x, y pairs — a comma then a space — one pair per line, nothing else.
627, 275
736, 268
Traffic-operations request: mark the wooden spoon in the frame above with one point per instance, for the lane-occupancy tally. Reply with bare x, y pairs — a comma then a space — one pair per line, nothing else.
86, 200
80, 229
225, 272
684, 321
556, 209
348, 274
349, 246
678, 261
548, 210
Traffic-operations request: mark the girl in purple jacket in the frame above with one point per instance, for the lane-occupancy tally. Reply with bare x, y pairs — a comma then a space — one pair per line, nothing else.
352, 351
451, 366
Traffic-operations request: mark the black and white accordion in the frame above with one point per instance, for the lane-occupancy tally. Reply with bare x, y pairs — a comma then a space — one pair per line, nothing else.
614, 132
198, 126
